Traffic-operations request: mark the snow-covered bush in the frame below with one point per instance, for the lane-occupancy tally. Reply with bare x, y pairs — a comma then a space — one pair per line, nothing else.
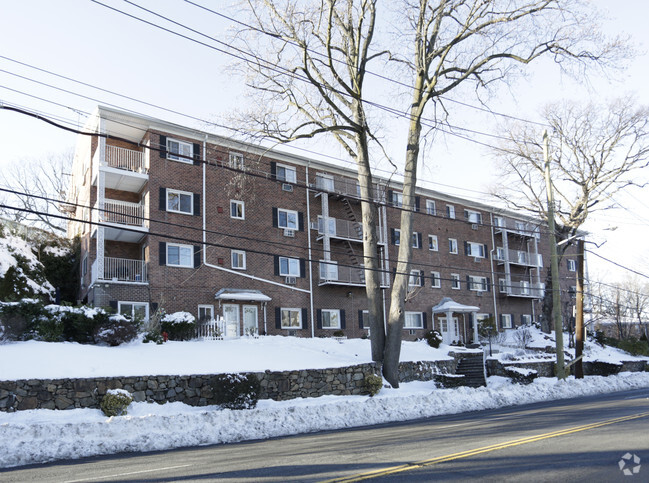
523, 337
236, 391
179, 325
520, 375
117, 330
20, 320
372, 384
434, 338
115, 402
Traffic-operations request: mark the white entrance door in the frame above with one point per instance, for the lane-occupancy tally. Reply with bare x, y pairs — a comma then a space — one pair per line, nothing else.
449, 331
250, 320
231, 318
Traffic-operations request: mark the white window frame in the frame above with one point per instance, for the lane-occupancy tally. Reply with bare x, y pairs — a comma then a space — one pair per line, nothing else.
288, 225
430, 207
436, 280
240, 257
507, 321
180, 248
293, 266
525, 287
478, 284
235, 160
414, 280
526, 320
572, 265
499, 222
473, 216
290, 310
450, 212
287, 169
206, 308
330, 312
433, 243
456, 284
452, 246
240, 206
365, 314
189, 147
415, 239
397, 236
479, 247
327, 182
502, 285
180, 194
408, 319
133, 304
397, 199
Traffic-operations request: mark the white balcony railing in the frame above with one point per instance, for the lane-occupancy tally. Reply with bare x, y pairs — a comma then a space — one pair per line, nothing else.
518, 257
122, 270
345, 186
523, 288
330, 272
127, 159
123, 213
343, 229
516, 226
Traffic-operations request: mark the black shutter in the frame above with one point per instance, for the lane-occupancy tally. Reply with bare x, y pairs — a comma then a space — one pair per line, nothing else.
390, 197
419, 240
276, 257
488, 285
466, 248
275, 217
113, 305
273, 170
342, 319
394, 273
197, 256
417, 203
393, 237
318, 318
424, 317
302, 268
163, 147
154, 306
360, 319
501, 321
421, 278
163, 253
305, 319
300, 221
468, 283
278, 318
466, 215
197, 204
484, 247
163, 199
480, 218
197, 154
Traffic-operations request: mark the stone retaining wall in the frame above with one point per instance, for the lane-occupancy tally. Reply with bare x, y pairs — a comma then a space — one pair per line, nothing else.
546, 368
195, 389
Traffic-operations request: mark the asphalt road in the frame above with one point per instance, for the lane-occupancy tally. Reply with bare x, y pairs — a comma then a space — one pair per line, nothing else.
580, 439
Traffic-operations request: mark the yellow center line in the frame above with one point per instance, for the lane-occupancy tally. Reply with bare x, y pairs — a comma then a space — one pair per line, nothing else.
485, 449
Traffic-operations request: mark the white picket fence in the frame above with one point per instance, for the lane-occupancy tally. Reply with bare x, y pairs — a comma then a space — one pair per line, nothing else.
211, 329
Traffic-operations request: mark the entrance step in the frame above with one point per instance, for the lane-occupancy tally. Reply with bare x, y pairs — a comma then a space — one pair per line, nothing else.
472, 368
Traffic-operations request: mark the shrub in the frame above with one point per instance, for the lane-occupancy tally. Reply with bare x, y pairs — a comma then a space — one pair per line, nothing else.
50, 330
179, 325
520, 375
434, 338
117, 330
153, 336
236, 391
81, 325
372, 384
338, 333
600, 338
523, 337
635, 347
20, 320
115, 402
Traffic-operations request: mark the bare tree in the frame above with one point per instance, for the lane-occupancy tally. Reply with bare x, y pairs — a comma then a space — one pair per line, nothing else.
37, 187
637, 302
443, 45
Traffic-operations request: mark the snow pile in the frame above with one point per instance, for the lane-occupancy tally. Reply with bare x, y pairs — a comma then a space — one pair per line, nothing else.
46, 435
179, 318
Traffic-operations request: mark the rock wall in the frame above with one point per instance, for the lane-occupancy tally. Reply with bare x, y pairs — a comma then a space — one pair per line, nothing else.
546, 368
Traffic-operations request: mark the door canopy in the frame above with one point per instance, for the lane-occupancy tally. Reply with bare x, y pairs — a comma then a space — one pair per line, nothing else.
448, 305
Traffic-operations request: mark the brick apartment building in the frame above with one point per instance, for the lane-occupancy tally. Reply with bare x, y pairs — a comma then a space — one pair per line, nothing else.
271, 242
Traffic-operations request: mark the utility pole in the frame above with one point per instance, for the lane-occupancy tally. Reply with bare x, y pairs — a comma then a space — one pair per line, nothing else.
554, 264
579, 316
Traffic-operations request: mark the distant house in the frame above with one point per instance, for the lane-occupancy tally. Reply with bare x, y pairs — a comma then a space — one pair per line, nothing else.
272, 242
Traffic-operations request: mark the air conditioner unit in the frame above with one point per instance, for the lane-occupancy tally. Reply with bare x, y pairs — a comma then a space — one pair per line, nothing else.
289, 233
474, 226
314, 225
477, 259
287, 187
290, 280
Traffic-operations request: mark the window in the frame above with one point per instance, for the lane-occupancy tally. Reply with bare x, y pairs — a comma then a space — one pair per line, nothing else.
325, 182
478, 284
430, 207
84, 265
330, 318
415, 278
416, 237
506, 321
432, 243
452, 245
436, 280
291, 318
526, 319
237, 210
289, 267
180, 202
413, 320
205, 313
450, 211
455, 281
133, 310
179, 151
572, 265
396, 236
499, 222
180, 255
365, 319
572, 291
502, 285
286, 173
287, 219
238, 259
397, 199
235, 160
476, 249
525, 287
473, 216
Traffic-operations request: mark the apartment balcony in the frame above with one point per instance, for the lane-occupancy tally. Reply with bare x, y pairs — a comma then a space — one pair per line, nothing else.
516, 227
121, 270
332, 274
341, 229
518, 257
345, 187
123, 169
122, 220
524, 289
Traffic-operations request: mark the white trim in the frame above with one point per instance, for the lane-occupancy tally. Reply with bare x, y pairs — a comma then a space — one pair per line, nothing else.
180, 193
297, 219
145, 304
174, 156
435, 247
411, 314
508, 318
238, 254
456, 277
289, 273
179, 264
286, 167
431, 204
238, 203
291, 309
452, 246
204, 306
436, 280
330, 312
235, 160
415, 239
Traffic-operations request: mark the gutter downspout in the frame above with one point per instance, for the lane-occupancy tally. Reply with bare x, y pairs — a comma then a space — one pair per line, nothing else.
493, 275
308, 228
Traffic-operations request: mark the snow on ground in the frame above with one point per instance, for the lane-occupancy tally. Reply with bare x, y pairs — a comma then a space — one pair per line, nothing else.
45, 435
